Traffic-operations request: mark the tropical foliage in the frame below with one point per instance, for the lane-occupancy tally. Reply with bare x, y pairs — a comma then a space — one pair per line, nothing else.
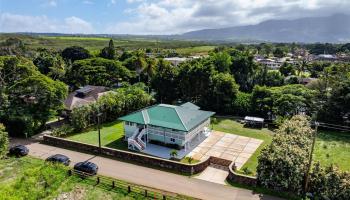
283, 164
4, 141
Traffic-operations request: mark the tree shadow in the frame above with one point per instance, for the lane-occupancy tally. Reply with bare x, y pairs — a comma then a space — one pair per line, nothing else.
118, 144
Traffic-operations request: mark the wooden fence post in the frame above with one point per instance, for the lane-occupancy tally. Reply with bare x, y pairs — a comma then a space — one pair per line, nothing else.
146, 193
70, 172
98, 181
113, 184
164, 197
129, 189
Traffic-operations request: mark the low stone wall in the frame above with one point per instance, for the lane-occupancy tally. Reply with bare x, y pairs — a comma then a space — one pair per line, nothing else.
133, 157
240, 178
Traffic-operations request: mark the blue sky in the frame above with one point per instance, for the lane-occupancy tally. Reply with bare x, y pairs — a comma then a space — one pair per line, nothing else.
152, 16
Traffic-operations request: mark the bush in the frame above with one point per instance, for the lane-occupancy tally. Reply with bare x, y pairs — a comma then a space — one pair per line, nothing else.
4, 141
62, 130
282, 164
80, 117
329, 183
242, 104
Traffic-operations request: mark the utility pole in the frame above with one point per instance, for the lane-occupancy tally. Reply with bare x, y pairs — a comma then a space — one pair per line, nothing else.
99, 130
307, 176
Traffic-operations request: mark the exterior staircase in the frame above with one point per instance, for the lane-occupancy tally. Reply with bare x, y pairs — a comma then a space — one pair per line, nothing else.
135, 142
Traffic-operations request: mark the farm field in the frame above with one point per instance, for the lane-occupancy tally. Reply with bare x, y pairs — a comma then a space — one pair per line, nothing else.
95, 44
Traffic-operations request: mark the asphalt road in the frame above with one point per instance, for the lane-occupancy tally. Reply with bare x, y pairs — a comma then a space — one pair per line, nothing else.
149, 177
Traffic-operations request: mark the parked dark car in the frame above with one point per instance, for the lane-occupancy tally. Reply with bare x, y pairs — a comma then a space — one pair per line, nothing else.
86, 167
19, 150
59, 158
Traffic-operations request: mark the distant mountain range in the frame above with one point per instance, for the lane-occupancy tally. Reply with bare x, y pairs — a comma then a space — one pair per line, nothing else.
332, 29
335, 28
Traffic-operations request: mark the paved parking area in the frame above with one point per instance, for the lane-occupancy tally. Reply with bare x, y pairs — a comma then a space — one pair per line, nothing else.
227, 146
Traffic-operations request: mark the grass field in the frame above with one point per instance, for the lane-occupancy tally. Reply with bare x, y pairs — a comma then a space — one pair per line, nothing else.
333, 148
112, 135
231, 126
30, 178
95, 44
199, 50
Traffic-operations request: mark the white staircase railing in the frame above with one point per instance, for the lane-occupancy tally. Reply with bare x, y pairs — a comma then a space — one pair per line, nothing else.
139, 138
136, 140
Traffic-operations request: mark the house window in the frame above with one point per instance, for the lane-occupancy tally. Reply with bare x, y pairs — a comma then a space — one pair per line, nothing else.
172, 139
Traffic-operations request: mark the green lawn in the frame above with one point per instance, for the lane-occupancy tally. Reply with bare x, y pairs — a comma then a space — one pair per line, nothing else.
333, 148
112, 135
231, 126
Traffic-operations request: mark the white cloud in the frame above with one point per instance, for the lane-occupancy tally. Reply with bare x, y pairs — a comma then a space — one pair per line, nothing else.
88, 2
177, 16
24, 23
49, 3
113, 2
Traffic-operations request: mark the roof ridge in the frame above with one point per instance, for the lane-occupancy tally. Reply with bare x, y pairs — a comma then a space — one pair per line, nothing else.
145, 116
180, 118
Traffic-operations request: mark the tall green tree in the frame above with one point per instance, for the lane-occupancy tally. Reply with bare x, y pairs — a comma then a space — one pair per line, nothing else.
108, 52
165, 82
4, 141
224, 91
282, 164
222, 61
74, 53
97, 71
30, 97
243, 69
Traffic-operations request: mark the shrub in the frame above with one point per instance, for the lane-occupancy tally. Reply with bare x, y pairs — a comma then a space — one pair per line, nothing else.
4, 141
62, 130
329, 183
282, 164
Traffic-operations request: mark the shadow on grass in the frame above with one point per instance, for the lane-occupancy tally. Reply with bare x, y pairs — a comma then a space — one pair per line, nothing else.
329, 136
118, 144
264, 193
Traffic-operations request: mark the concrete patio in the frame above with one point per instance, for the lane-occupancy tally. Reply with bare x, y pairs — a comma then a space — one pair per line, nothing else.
227, 146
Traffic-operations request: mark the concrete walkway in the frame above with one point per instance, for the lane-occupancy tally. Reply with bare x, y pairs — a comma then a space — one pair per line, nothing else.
147, 176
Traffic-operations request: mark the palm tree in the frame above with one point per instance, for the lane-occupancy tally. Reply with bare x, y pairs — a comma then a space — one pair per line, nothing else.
139, 65
302, 66
173, 153
150, 69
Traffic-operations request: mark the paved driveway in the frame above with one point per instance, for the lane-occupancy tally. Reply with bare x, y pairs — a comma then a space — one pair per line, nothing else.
150, 177
214, 175
227, 146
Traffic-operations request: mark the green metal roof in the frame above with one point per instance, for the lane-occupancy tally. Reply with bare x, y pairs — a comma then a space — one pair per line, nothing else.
182, 117
191, 106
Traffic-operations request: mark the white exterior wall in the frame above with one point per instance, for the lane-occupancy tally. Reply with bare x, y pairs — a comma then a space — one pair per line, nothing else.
129, 128
197, 130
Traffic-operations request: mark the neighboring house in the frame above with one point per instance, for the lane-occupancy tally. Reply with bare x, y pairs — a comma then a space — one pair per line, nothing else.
270, 63
167, 125
326, 57
176, 60
83, 96
306, 81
